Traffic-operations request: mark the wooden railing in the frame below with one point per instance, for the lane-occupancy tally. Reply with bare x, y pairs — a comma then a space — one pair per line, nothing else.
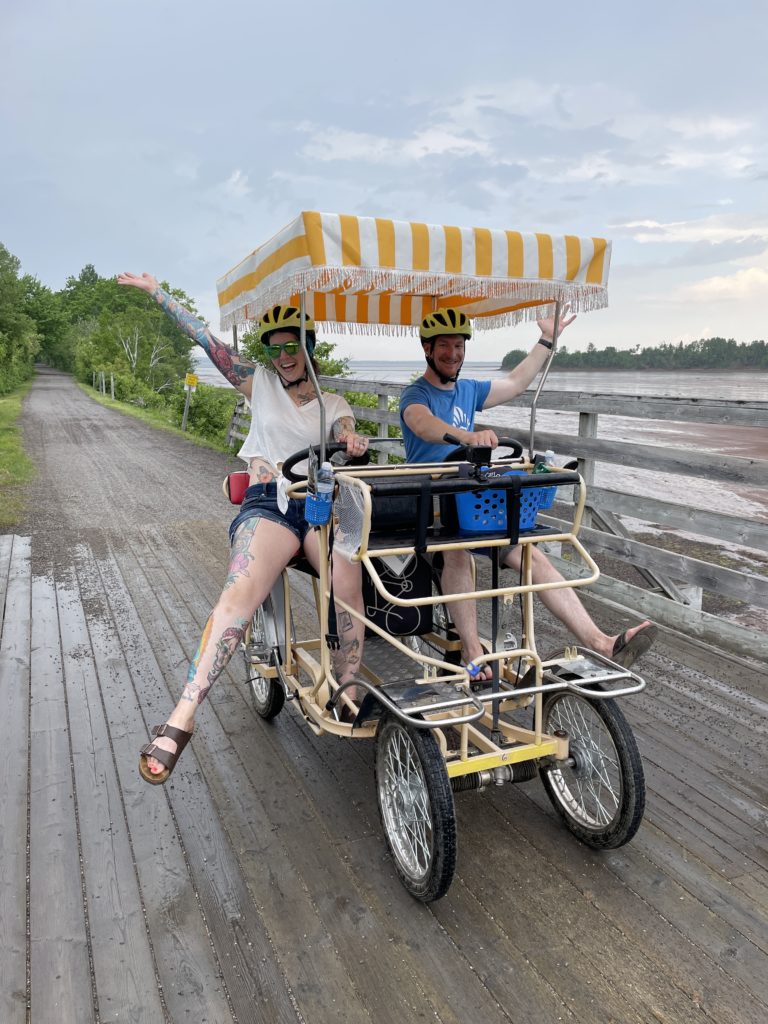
673, 583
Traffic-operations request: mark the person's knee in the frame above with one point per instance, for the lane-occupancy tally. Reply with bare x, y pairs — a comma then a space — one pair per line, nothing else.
453, 560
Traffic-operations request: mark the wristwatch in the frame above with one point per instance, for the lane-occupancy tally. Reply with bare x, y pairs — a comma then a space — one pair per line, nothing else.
545, 343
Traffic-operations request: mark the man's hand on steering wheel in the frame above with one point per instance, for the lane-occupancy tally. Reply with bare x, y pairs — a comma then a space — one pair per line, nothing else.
478, 438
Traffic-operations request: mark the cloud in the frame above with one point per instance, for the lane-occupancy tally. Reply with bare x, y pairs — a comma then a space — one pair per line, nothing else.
750, 283
715, 229
236, 186
338, 144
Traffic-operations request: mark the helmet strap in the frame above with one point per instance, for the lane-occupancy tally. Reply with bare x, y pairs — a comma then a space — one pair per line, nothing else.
434, 369
292, 383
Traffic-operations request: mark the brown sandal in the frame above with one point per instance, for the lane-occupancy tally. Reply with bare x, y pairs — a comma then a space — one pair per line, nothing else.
166, 757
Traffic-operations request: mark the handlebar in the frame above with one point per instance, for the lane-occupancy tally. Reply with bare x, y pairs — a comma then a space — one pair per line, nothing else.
330, 449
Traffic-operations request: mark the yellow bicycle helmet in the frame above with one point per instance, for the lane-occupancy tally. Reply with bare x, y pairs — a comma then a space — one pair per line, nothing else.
284, 318
445, 321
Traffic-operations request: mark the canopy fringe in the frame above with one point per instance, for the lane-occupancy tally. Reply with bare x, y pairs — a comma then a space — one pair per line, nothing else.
370, 281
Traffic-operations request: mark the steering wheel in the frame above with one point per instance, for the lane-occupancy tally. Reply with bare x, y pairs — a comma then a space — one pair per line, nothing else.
480, 455
330, 449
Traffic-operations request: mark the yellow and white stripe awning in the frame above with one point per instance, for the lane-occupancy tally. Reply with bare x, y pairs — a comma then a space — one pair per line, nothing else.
369, 273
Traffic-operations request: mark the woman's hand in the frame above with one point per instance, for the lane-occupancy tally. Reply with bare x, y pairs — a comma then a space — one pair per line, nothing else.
146, 282
357, 444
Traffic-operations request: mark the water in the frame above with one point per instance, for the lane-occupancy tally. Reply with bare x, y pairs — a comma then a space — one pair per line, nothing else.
738, 384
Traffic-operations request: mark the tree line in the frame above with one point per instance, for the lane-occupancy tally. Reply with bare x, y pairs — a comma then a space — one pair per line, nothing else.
705, 354
94, 325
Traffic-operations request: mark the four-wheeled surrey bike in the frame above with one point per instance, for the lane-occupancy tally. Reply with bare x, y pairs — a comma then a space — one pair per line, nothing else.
438, 733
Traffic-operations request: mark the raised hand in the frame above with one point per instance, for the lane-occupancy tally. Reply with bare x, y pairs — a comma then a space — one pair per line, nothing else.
146, 282
547, 327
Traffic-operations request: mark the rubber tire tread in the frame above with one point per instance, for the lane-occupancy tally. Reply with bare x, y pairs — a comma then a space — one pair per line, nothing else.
445, 841
632, 800
275, 701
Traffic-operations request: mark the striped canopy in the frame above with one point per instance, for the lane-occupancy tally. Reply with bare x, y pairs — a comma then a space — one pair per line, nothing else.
371, 274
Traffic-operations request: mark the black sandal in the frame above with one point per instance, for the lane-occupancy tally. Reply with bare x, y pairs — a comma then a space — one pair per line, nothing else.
626, 652
165, 757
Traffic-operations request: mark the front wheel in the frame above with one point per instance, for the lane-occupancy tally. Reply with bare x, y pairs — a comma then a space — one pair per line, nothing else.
600, 794
416, 807
261, 645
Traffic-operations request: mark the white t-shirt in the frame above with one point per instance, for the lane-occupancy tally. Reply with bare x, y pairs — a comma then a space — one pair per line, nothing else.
279, 427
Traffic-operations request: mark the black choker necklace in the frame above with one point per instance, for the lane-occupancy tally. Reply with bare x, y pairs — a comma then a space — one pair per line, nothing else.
292, 383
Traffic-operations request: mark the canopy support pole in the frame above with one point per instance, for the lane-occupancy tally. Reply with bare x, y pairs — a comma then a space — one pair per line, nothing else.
542, 379
311, 371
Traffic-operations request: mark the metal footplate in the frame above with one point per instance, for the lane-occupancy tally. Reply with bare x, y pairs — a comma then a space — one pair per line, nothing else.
408, 701
582, 670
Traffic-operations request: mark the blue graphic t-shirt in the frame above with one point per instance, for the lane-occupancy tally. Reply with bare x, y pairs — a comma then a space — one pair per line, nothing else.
457, 407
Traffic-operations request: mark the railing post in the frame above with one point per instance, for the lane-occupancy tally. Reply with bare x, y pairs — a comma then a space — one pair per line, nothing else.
587, 428
383, 429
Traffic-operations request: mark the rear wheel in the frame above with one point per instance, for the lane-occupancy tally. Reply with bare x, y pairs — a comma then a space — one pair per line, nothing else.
261, 646
600, 794
416, 806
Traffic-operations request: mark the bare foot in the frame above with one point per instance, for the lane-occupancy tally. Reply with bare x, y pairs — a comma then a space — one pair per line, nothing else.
479, 673
628, 646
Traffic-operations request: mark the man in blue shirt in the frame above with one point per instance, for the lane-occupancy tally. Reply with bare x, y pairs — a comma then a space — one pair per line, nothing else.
438, 403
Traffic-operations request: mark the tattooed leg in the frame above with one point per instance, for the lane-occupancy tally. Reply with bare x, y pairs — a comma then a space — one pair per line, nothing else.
260, 551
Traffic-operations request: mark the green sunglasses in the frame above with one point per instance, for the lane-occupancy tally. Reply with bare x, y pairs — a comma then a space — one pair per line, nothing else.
291, 348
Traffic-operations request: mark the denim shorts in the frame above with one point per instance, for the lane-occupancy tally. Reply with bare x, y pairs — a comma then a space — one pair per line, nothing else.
260, 502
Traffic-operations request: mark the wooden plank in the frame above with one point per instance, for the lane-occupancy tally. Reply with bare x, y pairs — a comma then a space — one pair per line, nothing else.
747, 413
717, 579
491, 950
123, 966
188, 972
14, 740
602, 973
389, 993
724, 412
683, 938
254, 981
419, 969
657, 458
321, 983
710, 628
60, 969
6, 547
733, 529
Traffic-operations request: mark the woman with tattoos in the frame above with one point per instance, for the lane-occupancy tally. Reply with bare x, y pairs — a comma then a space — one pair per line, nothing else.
269, 529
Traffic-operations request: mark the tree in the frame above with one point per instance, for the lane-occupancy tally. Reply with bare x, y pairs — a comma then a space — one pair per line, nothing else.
19, 340
46, 309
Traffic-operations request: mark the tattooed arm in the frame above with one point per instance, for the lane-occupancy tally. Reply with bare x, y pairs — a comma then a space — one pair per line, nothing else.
343, 430
239, 372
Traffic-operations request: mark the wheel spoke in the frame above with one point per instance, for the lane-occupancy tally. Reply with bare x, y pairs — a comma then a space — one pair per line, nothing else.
591, 789
406, 804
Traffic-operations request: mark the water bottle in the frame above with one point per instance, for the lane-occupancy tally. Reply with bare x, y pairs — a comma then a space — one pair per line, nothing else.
318, 505
547, 462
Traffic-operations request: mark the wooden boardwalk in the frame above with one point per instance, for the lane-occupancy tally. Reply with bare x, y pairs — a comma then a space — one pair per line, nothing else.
255, 886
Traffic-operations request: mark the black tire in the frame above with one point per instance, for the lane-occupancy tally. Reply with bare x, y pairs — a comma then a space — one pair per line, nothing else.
261, 645
416, 807
601, 797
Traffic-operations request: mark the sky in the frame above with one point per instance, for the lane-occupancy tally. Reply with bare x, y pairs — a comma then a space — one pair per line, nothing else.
176, 137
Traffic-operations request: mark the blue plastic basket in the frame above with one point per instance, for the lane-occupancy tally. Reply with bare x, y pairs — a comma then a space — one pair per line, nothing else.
486, 511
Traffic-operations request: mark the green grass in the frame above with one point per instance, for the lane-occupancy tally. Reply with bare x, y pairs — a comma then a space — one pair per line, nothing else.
15, 468
163, 419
